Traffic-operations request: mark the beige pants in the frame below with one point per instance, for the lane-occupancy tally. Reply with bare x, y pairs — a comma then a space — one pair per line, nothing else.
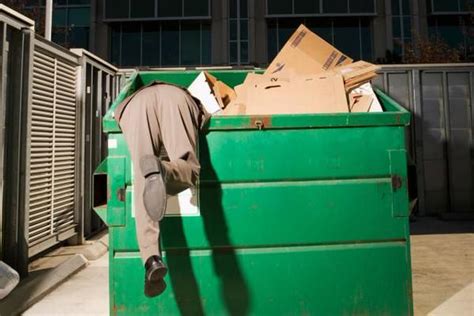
161, 120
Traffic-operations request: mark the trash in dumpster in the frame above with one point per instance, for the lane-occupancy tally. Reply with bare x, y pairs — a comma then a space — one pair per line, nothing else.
305, 53
307, 76
213, 94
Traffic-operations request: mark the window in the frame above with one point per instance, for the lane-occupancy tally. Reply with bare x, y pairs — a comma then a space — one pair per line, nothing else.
71, 21
142, 9
156, 44
319, 7
453, 30
238, 32
450, 6
401, 26
352, 35
155, 9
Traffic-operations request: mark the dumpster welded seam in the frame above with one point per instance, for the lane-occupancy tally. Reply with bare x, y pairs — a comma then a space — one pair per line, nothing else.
283, 248
279, 182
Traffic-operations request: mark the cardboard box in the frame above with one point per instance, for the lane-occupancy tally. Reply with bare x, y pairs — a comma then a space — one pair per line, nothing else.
306, 53
357, 73
311, 94
213, 94
366, 89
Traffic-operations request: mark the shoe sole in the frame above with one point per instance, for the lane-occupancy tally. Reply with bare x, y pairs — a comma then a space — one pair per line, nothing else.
156, 288
155, 191
157, 274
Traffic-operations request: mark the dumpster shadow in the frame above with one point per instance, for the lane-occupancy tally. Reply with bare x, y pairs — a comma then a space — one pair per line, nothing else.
234, 290
183, 279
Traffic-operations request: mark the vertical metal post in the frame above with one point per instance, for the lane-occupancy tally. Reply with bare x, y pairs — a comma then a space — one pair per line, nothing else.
49, 19
3, 88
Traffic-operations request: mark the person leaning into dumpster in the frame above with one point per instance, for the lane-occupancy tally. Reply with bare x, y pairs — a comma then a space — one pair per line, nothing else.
160, 123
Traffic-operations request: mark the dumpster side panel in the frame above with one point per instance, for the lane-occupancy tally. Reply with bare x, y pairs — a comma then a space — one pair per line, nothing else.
307, 280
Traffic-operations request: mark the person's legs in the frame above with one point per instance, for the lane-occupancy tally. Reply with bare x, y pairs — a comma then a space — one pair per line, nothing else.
178, 117
160, 128
138, 135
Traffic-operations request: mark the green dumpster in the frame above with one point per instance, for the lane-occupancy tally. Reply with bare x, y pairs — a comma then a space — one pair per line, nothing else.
296, 215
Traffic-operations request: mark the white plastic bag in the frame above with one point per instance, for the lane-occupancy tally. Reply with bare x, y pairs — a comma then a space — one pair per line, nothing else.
9, 279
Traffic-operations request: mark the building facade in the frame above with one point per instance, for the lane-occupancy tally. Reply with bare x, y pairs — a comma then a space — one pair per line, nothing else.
167, 33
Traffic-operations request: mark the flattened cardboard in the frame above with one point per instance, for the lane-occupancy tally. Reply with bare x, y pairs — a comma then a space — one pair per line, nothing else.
305, 53
356, 73
312, 94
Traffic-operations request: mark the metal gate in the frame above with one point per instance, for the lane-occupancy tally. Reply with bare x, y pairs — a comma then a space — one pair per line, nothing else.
440, 98
53, 198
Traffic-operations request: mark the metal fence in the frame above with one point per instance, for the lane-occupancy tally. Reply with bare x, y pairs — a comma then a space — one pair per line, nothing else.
98, 86
51, 105
54, 147
16, 45
440, 138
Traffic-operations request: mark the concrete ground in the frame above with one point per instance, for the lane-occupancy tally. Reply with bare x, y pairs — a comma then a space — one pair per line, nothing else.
442, 264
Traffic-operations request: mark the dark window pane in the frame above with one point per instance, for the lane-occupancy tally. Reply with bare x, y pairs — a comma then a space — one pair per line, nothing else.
407, 27
233, 53
450, 30
243, 9
467, 5
232, 8
115, 9
170, 44
233, 30
244, 30
306, 6
406, 7
142, 8
286, 28
396, 7
206, 44
272, 40
60, 17
361, 6
190, 44
79, 16
280, 7
366, 39
31, 3
151, 44
59, 2
347, 37
322, 27
170, 8
76, 2
445, 5
78, 37
115, 45
196, 8
396, 27
131, 44
58, 35
335, 6
244, 52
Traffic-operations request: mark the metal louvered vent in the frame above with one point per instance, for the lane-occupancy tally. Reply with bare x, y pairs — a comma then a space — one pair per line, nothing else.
53, 150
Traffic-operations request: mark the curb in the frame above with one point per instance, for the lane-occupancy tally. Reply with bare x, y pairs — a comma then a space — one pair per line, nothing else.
38, 285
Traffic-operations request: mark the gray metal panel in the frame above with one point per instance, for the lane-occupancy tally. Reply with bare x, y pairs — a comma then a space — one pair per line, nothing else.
440, 98
54, 155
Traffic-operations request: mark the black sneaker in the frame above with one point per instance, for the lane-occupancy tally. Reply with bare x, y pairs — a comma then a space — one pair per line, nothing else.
155, 271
